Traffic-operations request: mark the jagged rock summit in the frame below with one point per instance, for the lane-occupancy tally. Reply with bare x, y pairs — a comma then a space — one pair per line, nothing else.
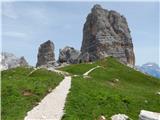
9, 60
106, 33
68, 55
46, 55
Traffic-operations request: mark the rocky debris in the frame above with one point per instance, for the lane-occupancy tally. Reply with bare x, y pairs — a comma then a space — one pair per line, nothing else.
120, 117
158, 93
60, 65
106, 33
102, 118
148, 115
46, 55
68, 55
9, 60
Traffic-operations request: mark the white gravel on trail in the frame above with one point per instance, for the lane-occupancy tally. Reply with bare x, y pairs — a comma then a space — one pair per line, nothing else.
51, 107
86, 73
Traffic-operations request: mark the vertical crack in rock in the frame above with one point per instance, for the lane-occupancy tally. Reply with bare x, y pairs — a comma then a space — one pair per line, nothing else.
106, 33
46, 55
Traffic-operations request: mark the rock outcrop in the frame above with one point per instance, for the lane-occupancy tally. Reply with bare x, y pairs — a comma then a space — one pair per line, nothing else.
9, 60
106, 33
68, 55
148, 115
46, 55
23, 62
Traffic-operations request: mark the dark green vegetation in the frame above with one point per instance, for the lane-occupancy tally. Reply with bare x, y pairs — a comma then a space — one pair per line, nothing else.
114, 88
21, 91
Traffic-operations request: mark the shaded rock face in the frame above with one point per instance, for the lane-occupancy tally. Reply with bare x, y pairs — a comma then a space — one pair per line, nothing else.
106, 33
68, 55
9, 60
46, 55
23, 62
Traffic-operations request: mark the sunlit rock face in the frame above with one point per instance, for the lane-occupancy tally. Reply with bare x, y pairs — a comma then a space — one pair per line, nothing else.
106, 33
68, 55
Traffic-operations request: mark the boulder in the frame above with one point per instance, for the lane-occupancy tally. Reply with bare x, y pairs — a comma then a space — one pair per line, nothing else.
148, 115
119, 117
68, 55
46, 55
106, 33
102, 118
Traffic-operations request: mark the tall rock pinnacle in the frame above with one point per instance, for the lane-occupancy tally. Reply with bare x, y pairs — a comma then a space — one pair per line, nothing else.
106, 33
46, 55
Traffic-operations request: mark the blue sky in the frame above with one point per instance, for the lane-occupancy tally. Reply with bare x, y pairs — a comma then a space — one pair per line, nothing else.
25, 25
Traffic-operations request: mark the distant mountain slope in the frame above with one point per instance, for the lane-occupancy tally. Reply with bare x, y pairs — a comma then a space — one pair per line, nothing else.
150, 68
9, 60
110, 89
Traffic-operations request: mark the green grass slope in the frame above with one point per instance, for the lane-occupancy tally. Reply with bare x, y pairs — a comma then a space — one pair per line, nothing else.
21, 92
77, 69
111, 89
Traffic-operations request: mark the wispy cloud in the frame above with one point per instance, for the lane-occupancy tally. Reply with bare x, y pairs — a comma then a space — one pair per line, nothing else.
8, 10
38, 15
14, 34
35, 14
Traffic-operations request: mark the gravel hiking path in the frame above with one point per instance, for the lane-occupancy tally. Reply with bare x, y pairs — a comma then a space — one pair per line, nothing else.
86, 73
51, 106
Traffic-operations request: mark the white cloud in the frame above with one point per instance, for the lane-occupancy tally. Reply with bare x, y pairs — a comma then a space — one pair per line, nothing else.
14, 34
38, 15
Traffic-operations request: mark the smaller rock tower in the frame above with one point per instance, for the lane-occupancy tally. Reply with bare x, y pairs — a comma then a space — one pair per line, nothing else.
46, 55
